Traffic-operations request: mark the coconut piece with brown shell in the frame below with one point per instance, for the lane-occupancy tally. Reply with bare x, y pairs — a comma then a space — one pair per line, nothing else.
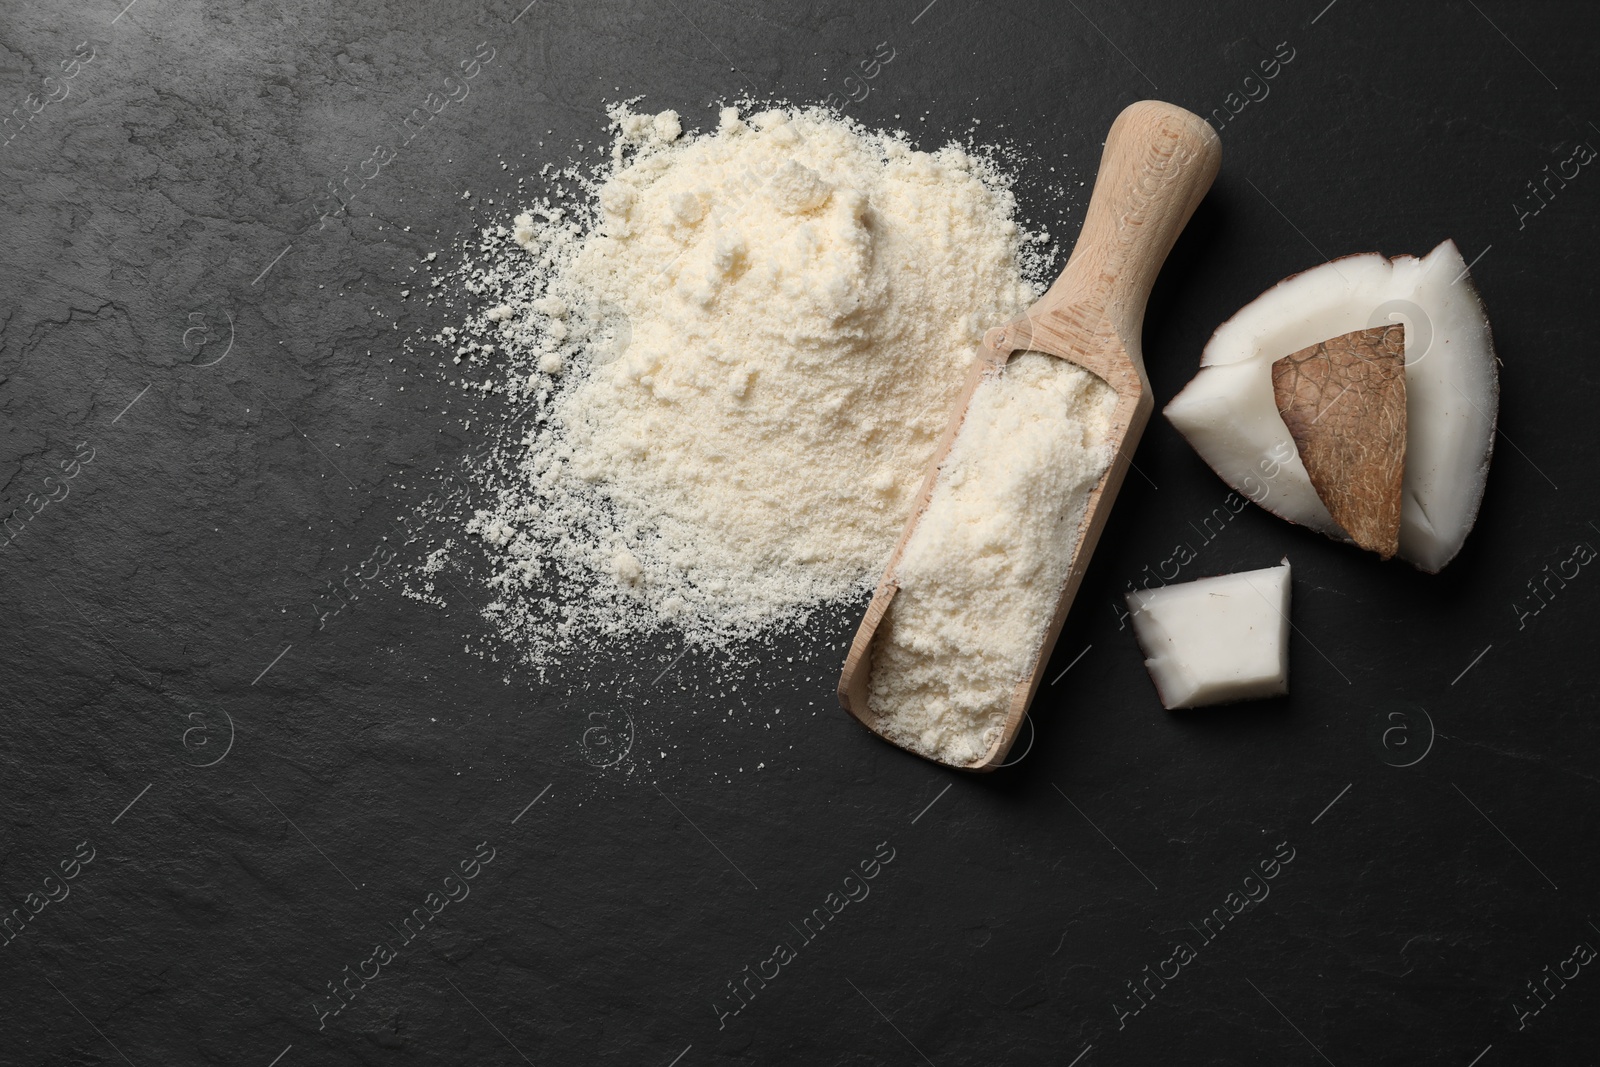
1446, 386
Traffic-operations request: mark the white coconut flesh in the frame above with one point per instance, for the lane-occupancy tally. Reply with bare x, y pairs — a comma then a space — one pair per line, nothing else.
1229, 414
1216, 640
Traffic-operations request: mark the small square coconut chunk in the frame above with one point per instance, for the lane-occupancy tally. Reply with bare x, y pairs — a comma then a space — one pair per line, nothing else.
1216, 640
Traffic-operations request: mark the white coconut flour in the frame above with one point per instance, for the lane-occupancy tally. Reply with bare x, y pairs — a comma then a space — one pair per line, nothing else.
730, 357
982, 572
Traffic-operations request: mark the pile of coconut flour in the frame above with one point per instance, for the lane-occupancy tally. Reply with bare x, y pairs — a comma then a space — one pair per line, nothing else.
981, 575
732, 353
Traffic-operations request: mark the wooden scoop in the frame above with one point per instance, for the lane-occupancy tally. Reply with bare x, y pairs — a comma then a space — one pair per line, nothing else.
1158, 162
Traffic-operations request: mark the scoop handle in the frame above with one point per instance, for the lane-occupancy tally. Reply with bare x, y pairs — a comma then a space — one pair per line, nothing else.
1158, 163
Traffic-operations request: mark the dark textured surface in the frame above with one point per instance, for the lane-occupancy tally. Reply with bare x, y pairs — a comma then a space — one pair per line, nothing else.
190, 552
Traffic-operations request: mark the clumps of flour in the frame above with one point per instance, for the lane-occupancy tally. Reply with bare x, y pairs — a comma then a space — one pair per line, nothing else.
981, 574
728, 357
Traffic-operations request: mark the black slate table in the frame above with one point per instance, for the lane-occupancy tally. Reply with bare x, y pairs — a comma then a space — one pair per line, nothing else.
241, 829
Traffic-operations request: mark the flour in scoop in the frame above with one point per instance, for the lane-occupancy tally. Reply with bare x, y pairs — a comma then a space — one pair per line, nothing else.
731, 354
981, 574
